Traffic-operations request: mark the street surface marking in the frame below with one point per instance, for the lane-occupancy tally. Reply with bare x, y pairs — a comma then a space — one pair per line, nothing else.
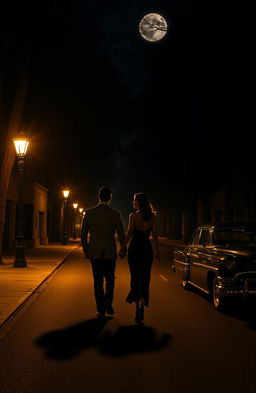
163, 277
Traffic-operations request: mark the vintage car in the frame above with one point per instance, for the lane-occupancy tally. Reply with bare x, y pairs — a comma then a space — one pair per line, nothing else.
220, 260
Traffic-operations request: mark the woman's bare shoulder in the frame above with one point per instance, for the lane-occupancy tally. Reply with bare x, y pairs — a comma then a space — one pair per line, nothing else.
137, 215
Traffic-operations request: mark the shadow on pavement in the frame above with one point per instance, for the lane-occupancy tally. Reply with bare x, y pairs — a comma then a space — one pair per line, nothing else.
238, 308
132, 339
243, 310
68, 343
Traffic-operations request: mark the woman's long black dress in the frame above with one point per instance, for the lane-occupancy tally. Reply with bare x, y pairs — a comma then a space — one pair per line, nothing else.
140, 258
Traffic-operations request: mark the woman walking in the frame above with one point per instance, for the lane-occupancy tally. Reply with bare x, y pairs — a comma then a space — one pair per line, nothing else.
142, 222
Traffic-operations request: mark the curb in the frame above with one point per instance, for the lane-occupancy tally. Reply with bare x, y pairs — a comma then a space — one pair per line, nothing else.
30, 296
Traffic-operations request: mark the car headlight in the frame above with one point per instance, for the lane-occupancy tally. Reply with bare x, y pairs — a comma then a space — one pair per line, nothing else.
230, 263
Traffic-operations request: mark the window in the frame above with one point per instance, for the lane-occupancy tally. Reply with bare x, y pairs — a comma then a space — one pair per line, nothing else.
196, 237
204, 237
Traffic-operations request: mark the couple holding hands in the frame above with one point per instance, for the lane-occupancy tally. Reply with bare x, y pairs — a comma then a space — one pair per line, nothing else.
100, 225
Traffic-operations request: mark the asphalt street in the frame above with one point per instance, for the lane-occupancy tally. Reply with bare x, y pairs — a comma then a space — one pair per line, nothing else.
57, 344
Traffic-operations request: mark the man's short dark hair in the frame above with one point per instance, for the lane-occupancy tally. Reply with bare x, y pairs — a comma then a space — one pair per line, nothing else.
105, 194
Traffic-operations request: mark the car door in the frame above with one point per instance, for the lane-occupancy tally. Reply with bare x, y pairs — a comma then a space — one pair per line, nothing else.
203, 258
195, 269
208, 261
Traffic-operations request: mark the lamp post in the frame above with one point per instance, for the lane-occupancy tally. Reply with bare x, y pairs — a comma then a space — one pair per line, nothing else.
65, 235
21, 146
80, 218
74, 227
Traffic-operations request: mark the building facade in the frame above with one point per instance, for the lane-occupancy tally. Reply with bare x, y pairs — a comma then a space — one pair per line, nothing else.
35, 214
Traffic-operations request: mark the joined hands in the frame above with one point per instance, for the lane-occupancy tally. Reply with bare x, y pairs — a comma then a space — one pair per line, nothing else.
122, 253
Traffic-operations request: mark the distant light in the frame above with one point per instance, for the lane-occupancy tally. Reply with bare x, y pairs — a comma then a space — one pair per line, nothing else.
21, 145
153, 27
65, 193
75, 205
81, 209
83, 213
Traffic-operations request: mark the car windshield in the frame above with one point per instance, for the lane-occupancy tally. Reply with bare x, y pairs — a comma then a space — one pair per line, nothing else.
234, 236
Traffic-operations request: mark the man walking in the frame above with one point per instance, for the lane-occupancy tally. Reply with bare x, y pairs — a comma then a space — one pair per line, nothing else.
102, 222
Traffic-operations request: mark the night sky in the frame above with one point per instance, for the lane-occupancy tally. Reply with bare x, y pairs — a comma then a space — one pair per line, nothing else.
106, 107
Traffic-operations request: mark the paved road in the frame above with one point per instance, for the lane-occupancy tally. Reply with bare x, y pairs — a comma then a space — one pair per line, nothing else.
57, 345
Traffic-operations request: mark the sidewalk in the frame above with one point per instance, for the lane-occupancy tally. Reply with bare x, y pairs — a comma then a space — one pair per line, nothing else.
18, 284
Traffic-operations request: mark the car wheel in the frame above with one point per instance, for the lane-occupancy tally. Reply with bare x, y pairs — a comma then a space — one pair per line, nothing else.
219, 301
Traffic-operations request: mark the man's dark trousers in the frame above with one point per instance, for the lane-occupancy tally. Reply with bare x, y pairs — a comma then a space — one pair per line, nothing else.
103, 269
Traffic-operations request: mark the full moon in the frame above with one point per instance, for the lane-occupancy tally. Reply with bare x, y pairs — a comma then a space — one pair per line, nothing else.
153, 27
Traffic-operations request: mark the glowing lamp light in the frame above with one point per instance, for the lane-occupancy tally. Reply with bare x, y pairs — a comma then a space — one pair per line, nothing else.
81, 209
66, 193
21, 145
75, 205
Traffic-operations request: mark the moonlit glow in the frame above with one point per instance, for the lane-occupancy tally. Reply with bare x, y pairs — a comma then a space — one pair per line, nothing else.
66, 193
153, 27
21, 146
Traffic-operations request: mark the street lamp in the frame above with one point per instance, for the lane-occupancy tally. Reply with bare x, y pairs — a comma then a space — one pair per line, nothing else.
65, 193
21, 146
74, 221
65, 235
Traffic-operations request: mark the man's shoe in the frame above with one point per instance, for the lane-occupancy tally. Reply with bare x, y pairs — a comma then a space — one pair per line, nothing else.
109, 308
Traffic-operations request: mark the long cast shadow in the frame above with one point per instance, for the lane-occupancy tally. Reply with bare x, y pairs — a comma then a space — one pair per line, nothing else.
69, 342
132, 339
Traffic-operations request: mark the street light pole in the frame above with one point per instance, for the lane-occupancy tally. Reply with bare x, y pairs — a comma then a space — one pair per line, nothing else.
65, 234
74, 220
21, 145
80, 219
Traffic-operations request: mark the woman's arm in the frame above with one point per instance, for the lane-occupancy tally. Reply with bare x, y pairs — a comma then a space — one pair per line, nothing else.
129, 231
84, 235
155, 238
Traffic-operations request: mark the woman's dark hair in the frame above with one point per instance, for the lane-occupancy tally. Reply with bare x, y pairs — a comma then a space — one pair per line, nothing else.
146, 208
